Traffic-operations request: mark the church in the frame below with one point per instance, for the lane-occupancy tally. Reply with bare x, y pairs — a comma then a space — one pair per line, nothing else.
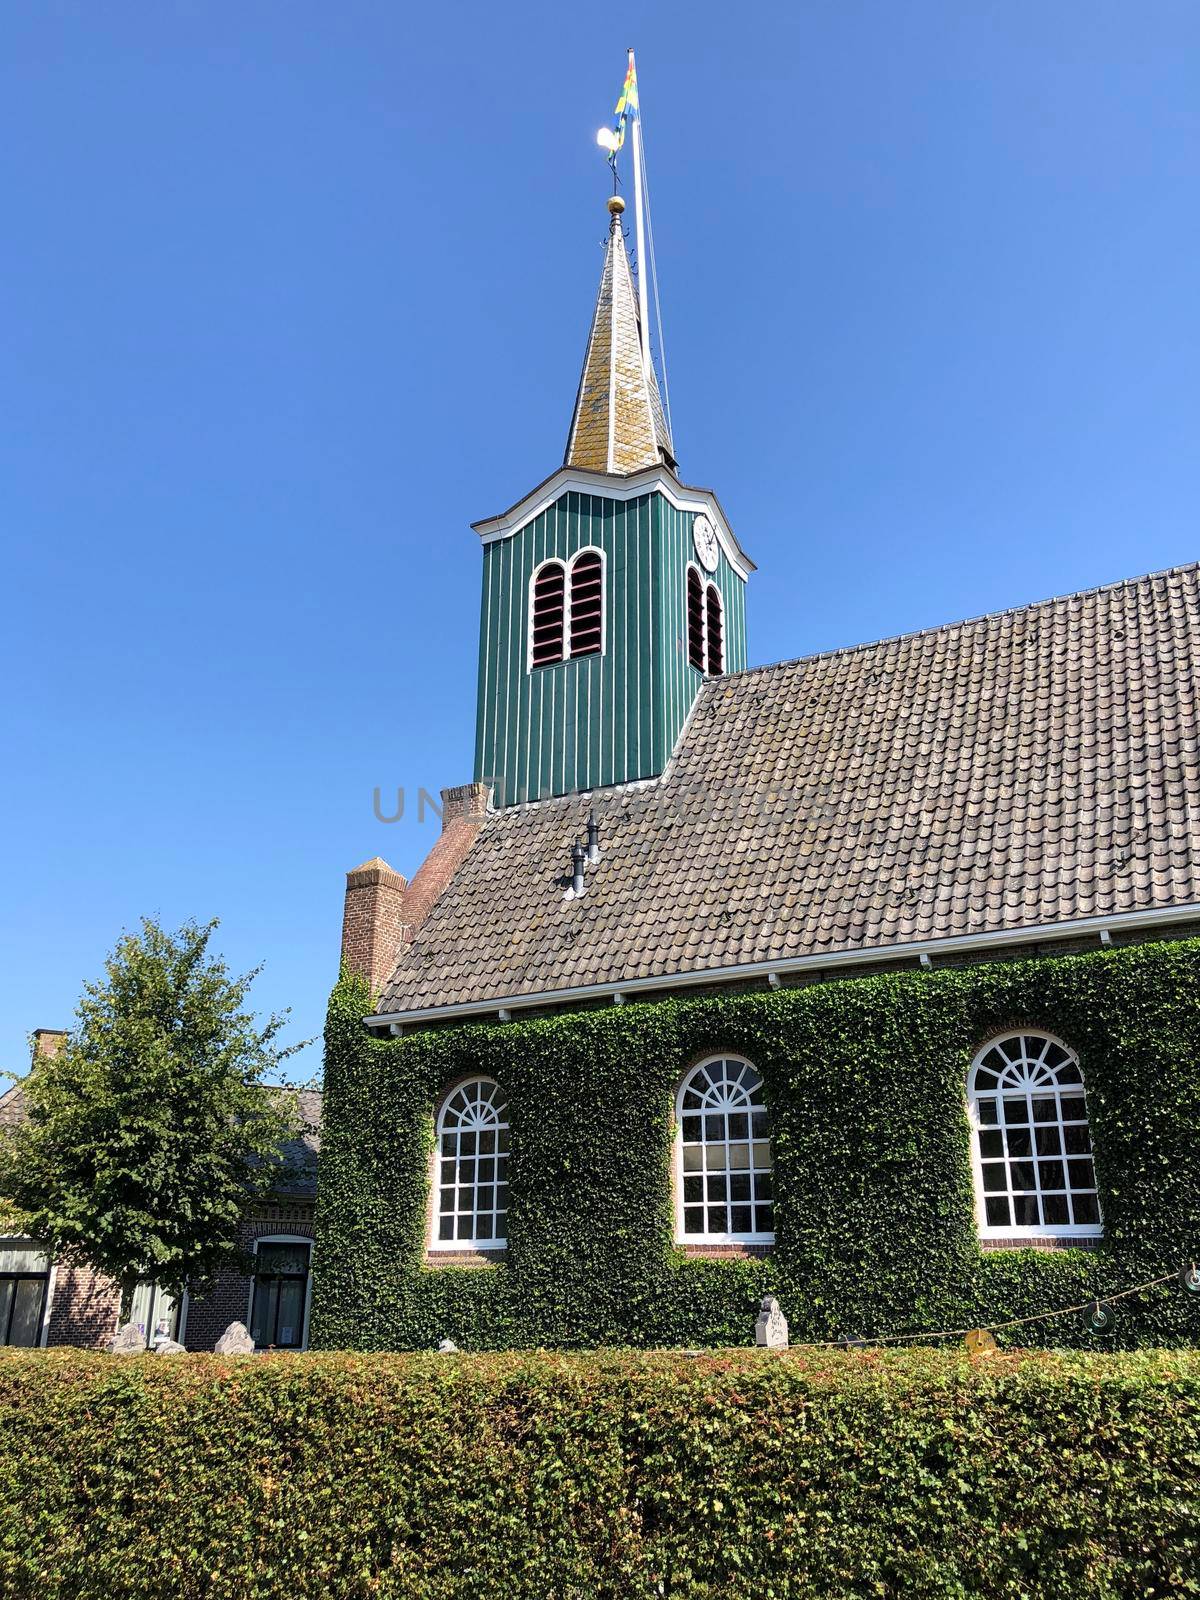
866, 978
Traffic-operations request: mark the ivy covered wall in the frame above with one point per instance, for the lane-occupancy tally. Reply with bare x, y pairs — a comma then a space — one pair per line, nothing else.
874, 1215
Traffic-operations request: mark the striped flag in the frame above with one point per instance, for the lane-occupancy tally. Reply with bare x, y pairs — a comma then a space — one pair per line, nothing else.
611, 139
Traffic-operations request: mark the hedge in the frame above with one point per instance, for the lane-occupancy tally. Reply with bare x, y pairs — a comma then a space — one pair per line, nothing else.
874, 1212
582, 1477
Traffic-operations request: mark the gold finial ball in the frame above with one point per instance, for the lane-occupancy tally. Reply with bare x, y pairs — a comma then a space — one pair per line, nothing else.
616, 205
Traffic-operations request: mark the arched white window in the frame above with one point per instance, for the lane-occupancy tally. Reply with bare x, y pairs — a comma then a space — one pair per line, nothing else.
705, 624
587, 604
1031, 1146
471, 1186
714, 620
547, 614
695, 617
723, 1155
566, 609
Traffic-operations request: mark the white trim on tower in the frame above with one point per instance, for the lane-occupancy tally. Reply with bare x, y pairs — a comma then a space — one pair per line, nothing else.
650, 480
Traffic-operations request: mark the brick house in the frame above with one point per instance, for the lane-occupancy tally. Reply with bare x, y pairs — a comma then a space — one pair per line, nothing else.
46, 1302
651, 817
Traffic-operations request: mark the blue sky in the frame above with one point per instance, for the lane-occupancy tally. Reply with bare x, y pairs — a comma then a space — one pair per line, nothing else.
295, 292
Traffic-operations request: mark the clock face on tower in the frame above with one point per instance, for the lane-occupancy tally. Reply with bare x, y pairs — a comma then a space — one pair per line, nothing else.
704, 537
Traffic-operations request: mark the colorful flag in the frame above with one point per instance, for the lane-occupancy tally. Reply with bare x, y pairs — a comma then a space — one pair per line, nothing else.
627, 106
629, 95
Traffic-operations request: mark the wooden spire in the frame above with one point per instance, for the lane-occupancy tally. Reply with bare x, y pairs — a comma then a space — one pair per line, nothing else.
618, 425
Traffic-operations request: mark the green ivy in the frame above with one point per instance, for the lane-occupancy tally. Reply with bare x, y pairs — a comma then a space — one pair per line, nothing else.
874, 1223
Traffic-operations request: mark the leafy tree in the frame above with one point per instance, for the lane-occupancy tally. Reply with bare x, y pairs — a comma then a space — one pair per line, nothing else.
152, 1128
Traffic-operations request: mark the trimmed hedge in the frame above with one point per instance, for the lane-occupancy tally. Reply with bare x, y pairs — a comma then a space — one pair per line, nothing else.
581, 1478
874, 1213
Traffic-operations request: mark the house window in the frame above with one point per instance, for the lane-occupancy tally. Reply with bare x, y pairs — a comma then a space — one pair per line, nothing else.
716, 632
695, 618
24, 1279
279, 1297
724, 1155
1031, 1144
154, 1312
566, 618
472, 1168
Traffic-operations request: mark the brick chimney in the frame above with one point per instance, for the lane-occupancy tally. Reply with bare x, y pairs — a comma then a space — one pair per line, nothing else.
463, 811
373, 921
383, 911
48, 1042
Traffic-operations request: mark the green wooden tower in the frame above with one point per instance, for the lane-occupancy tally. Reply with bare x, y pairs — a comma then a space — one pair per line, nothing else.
611, 591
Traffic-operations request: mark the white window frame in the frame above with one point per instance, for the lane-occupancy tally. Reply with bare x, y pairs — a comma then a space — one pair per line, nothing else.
707, 582
694, 566
433, 1243
155, 1291
711, 584
1041, 1230
278, 1238
51, 1284
21, 1242
678, 1174
567, 563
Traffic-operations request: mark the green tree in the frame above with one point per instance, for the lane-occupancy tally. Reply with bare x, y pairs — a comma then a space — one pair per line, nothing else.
155, 1125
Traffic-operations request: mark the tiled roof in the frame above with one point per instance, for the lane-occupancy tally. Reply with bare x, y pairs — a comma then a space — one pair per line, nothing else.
300, 1154
12, 1107
1027, 768
618, 424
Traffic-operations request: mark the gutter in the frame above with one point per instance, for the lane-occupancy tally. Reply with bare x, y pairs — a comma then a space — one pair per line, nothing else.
924, 950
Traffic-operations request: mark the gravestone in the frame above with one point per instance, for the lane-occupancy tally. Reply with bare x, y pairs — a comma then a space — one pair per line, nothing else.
771, 1329
168, 1347
129, 1340
447, 1347
235, 1341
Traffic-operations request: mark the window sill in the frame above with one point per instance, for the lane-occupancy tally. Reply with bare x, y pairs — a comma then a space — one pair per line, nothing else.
1044, 1241
730, 1250
535, 667
466, 1258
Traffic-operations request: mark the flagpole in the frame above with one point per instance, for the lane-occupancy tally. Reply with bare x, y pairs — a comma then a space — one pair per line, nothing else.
639, 227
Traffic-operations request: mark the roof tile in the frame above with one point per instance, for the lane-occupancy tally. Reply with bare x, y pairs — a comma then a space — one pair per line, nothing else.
1015, 770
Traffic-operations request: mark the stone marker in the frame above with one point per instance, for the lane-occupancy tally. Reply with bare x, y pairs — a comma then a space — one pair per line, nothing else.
771, 1328
235, 1341
129, 1340
447, 1347
168, 1347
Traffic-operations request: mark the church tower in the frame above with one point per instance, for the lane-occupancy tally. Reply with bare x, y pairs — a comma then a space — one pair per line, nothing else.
611, 591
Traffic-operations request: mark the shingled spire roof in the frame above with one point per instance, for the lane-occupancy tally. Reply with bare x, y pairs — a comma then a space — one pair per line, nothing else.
619, 425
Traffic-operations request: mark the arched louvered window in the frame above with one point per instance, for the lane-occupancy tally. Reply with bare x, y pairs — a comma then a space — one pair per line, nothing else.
695, 619
724, 1172
472, 1168
547, 623
715, 648
1032, 1147
567, 610
587, 603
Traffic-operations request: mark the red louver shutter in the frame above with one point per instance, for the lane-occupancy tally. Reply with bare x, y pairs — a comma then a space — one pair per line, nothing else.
695, 619
716, 637
546, 625
587, 604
